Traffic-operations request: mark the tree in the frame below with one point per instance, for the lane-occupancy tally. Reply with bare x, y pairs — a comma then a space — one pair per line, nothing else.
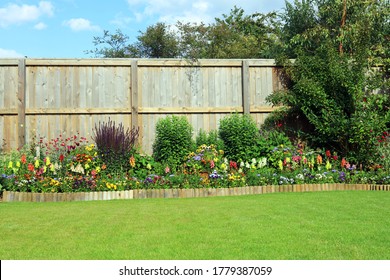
336, 44
233, 36
114, 45
158, 41
236, 35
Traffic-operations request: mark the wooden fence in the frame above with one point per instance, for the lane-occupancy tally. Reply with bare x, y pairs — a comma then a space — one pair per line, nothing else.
49, 97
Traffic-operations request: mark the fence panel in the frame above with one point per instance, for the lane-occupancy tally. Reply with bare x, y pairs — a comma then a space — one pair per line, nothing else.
48, 97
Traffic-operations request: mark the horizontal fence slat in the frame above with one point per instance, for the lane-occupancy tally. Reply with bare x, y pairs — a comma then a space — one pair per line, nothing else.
10, 196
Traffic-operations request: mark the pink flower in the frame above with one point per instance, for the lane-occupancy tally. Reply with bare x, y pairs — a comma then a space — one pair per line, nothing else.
212, 164
167, 170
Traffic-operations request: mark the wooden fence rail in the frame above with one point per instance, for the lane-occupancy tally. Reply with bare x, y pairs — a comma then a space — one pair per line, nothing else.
10, 196
48, 97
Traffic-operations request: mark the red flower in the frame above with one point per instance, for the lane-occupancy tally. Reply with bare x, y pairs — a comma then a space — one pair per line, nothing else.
30, 167
327, 153
23, 159
233, 164
61, 158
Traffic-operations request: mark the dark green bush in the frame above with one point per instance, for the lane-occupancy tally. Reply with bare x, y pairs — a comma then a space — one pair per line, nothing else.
269, 139
240, 135
115, 145
208, 139
173, 140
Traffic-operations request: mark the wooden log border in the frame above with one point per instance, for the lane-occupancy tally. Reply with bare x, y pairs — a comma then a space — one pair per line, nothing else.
10, 196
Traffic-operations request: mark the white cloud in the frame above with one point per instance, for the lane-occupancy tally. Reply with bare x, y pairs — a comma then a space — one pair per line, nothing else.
170, 11
81, 24
9, 54
17, 14
121, 20
40, 26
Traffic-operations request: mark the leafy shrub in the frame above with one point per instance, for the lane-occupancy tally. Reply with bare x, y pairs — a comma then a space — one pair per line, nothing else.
383, 151
173, 140
208, 139
328, 92
269, 139
240, 135
114, 144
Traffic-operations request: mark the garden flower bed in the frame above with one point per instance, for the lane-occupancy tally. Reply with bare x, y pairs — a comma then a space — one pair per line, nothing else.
71, 168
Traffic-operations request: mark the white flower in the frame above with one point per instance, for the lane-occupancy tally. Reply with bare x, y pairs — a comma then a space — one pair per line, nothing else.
262, 162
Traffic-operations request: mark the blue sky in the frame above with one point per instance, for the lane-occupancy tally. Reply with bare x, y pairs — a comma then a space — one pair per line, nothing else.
65, 28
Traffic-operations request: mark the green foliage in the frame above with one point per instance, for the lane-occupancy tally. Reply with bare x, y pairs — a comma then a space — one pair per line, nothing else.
269, 139
240, 135
158, 41
115, 144
236, 35
113, 45
208, 139
331, 80
173, 140
383, 150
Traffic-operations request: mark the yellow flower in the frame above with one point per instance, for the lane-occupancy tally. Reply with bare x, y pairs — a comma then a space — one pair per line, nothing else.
36, 164
10, 164
280, 164
90, 147
86, 166
18, 164
47, 161
328, 166
148, 166
216, 159
54, 182
52, 168
111, 186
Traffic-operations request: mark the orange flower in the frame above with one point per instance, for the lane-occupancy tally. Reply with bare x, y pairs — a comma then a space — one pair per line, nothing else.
132, 161
343, 162
23, 159
30, 167
319, 159
104, 166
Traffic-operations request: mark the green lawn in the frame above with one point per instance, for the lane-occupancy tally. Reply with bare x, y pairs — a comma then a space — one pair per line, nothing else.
321, 225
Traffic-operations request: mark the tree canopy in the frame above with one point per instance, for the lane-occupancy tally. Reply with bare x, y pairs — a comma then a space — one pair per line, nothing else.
236, 35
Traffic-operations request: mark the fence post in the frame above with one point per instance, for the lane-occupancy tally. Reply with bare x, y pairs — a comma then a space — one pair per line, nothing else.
246, 98
134, 95
21, 97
